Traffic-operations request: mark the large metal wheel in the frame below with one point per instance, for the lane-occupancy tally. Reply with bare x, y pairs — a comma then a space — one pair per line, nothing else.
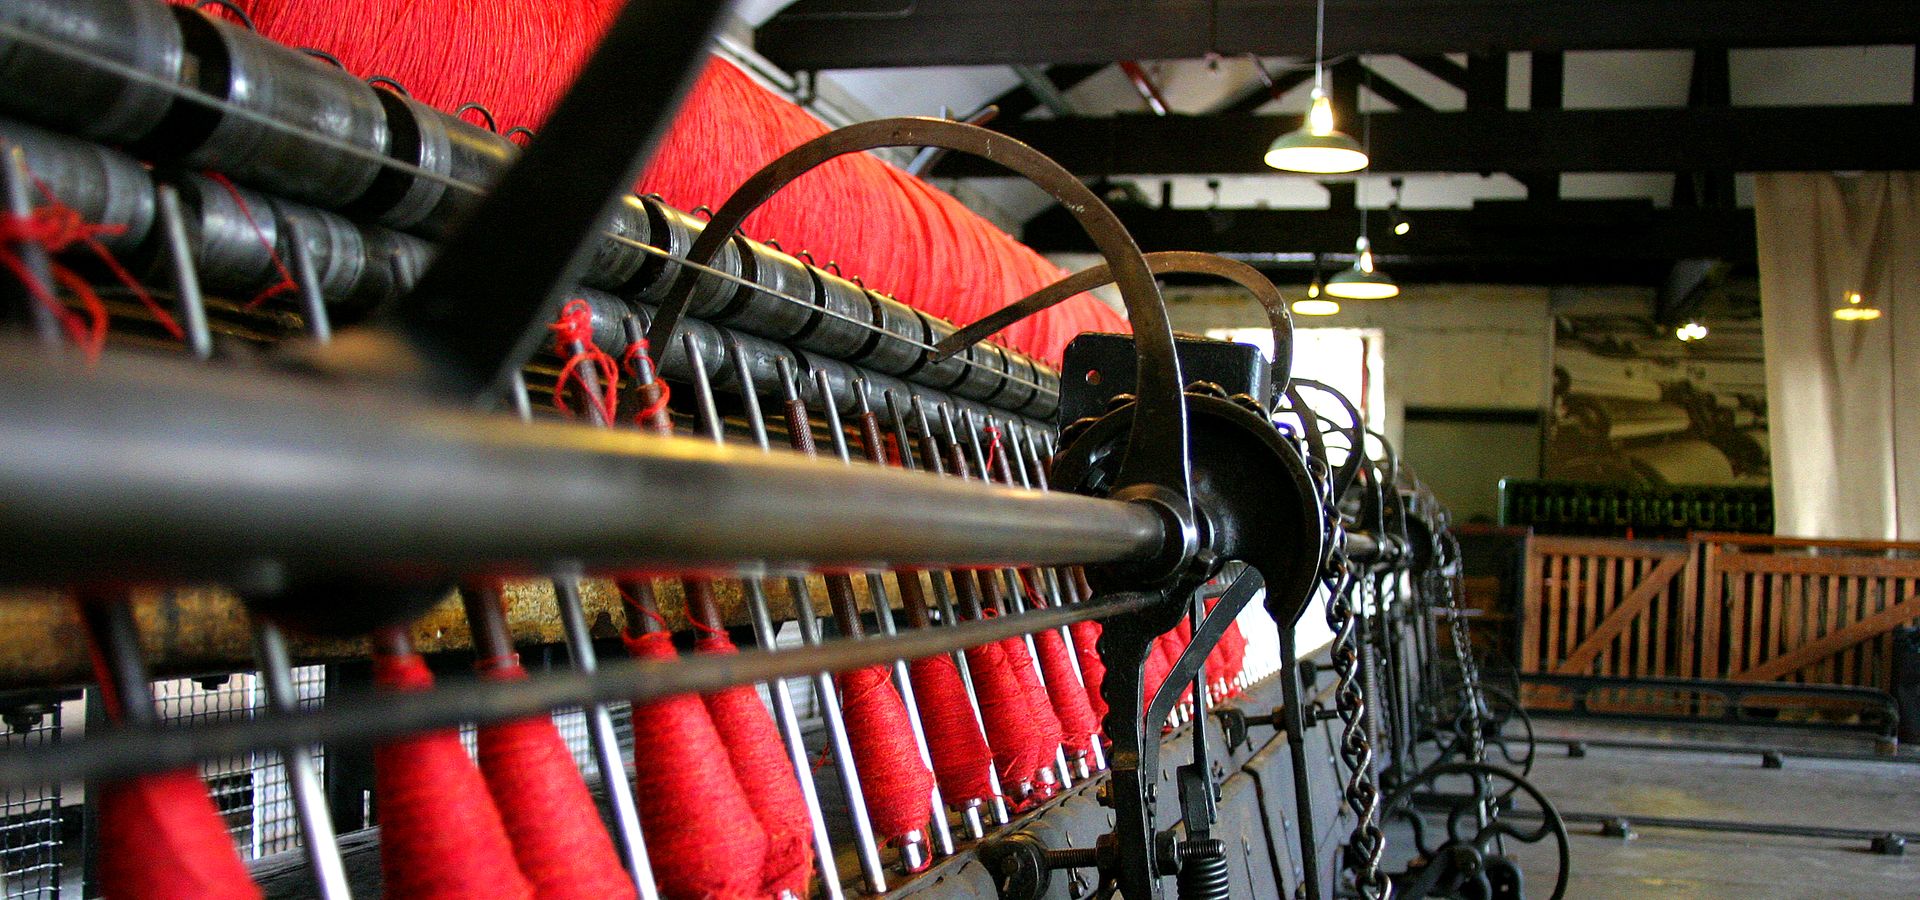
1466, 820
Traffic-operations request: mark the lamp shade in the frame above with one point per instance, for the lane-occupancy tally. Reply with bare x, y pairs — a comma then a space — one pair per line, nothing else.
1315, 147
1363, 281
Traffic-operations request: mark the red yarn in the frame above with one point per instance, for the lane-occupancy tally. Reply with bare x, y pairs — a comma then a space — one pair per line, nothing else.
901, 235
56, 227
160, 838
515, 57
897, 784
440, 836
1004, 708
702, 836
961, 758
1093, 669
1046, 724
1078, 725
573, 342
558, 838
765, 774
1159, 664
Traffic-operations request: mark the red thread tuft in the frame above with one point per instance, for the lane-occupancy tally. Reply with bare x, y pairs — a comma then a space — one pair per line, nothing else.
573, 342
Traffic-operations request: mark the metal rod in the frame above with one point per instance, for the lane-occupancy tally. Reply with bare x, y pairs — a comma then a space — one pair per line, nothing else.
602, 737
944, 596
309, 799
765, 635
186, 280
33, 255
389, 486
883, 614
319, 324
865, 843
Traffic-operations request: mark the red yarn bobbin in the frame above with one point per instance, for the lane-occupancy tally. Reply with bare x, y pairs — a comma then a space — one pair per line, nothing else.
765, 774
440, 836
558, 839
962, 761
897, 785
703, 838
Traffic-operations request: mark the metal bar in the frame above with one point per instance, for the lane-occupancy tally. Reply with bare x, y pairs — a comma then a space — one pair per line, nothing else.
1721, 825
309, 800
33, 256
1726, 748
765, 634
352, 481
319, 324
186, 281
883, 614
602, 737
865, 843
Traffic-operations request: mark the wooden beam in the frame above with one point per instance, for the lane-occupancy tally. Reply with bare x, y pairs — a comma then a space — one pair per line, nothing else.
1724, 139
1577, 661
855, 34
1827, 645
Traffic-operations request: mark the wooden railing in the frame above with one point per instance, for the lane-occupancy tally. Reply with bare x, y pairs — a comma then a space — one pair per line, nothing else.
1719, 606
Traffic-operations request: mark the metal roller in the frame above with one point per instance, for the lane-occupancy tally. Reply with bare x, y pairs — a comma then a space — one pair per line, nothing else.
1046, 401
886, 354
444, 145
616, 261
767, 314
843, 382
64, 91
394, 263
251, 72
335, 246
1021, 385
986, 372
674, 231
841, 329
233, 233
104, 186
947, 373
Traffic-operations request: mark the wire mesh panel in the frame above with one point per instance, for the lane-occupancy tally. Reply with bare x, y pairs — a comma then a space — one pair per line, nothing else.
30, 818
251, 792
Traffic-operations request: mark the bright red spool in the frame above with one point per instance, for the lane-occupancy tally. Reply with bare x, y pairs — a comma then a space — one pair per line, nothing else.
440, 836
703, 838
558, 839
1004, 709
1093, 669
897, 785
1078, 725
961, 759
161, 839
765, 774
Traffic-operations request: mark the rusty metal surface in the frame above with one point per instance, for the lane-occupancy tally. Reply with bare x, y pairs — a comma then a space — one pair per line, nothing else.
192, 631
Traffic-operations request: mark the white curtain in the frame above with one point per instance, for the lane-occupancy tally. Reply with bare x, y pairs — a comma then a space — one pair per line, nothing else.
1843, 397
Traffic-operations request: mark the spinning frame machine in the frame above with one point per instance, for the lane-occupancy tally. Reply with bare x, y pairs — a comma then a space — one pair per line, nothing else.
354, 477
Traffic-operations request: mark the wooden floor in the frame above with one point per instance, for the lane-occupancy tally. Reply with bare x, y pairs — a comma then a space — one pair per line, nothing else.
1670, 863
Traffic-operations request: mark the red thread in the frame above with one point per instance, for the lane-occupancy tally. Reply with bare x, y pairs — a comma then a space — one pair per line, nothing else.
441, 838
897, 784
1155, 674
160, 837
703, 838
286, 282
638, 362
573, 341
1093, 669
558, 839
961, 759
993, 453
765, 774
1078, 724
1003, 707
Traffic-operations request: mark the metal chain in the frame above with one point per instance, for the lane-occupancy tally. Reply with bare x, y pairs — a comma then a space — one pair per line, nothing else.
1470, 695
1368, 842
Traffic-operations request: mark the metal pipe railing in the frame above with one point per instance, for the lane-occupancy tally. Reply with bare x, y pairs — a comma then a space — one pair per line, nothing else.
153, 470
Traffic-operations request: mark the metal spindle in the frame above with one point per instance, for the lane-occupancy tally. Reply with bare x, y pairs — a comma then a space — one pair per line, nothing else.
186, 281
764, 634
883, 613
33, 256
604, 740
867, 846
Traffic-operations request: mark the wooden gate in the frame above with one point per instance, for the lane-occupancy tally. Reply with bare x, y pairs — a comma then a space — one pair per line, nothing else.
1718, 606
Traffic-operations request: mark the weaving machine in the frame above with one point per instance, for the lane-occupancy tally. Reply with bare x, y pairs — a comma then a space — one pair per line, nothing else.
288, 340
